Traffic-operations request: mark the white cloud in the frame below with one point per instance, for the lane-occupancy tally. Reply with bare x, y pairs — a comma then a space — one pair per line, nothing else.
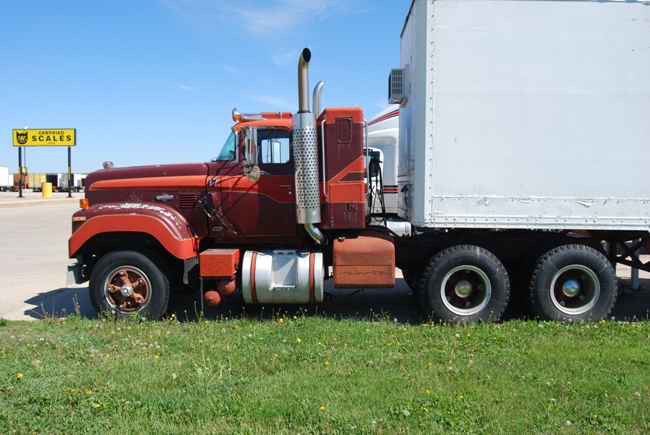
231, 70
284, 15
380, 104
181, 87
261, 18
284, 60
280, 103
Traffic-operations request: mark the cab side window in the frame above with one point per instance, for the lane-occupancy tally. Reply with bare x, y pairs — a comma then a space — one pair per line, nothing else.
273, 146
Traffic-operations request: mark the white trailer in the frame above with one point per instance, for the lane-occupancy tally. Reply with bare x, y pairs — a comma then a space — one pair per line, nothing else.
4, 179
78, 182
523, 123
525, 114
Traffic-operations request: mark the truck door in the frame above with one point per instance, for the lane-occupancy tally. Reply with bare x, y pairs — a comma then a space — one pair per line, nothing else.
267, 207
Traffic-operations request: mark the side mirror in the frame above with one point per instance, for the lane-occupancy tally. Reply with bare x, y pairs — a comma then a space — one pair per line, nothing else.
251, 170
253, 173
250, 142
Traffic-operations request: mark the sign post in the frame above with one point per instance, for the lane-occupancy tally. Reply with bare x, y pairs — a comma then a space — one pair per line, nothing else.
69, 172
20, 173
34, 137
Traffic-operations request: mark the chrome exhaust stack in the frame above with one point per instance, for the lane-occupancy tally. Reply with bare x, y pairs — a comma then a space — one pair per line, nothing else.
303, 81
318, 90
305, 152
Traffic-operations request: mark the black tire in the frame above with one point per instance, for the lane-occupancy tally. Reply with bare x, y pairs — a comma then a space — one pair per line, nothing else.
573, 283
464, 284
124, 283
521, 283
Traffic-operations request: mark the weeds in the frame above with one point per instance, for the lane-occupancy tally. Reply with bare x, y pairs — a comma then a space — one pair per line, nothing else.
301, 374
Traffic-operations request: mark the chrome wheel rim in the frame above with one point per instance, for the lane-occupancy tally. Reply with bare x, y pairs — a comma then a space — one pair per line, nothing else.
466, 290
575, 289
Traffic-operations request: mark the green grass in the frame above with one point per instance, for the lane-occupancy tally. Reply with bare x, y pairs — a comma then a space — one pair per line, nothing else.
313, 375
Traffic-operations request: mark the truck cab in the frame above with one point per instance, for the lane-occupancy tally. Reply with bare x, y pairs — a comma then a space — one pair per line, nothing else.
284, 199
253, 173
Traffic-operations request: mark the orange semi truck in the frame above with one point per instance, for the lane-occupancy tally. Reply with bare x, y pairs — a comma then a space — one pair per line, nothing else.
501, 183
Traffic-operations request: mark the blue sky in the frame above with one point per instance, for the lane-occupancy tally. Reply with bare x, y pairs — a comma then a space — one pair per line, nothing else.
155, 81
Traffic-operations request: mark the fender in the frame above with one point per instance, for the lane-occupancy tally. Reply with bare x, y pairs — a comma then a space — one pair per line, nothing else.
164, 224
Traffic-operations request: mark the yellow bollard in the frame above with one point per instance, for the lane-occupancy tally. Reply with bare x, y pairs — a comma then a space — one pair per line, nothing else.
46, 189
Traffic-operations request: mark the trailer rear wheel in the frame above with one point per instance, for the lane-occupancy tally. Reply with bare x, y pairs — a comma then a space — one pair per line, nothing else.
573, 283
464, 283
124, 283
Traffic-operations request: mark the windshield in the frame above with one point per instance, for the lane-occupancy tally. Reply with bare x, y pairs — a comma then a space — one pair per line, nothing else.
228, 150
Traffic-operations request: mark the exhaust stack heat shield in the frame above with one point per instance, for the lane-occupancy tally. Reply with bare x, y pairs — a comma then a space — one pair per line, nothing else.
305, 149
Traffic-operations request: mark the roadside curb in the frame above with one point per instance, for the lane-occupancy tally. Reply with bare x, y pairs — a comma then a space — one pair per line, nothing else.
32, 202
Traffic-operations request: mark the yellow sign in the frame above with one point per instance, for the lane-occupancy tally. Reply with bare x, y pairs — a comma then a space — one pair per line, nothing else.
63, 137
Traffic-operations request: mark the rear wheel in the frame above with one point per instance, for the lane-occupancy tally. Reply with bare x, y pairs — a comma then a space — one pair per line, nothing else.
124, 283
464, 283
573, 283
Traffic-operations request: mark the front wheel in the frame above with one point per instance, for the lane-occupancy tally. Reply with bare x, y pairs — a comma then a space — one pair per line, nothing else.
463, 284
124, 283
573, 283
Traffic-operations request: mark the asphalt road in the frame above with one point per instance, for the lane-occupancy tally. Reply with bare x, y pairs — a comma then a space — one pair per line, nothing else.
34, 259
